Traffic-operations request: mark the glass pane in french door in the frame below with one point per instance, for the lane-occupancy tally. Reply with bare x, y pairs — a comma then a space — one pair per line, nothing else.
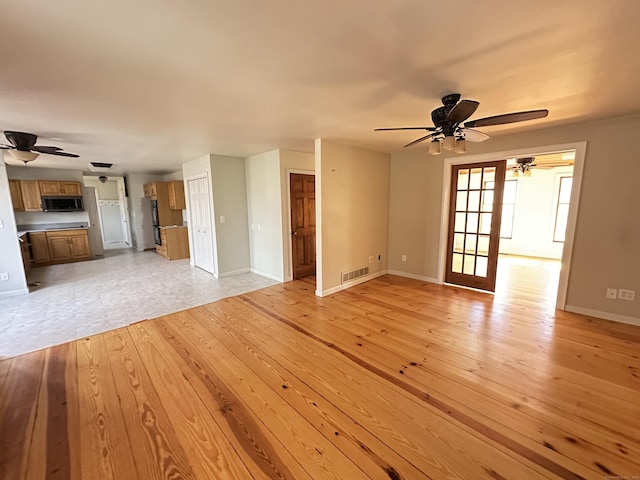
476, 198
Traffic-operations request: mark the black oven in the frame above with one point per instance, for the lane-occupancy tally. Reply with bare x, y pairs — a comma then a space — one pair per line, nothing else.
62, 204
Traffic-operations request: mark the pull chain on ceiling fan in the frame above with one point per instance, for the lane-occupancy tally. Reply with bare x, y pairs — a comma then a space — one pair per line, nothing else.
450, 133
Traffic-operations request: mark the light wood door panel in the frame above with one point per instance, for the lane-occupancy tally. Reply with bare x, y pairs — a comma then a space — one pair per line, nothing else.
79, 245
71, 189
31, 195
303, 224
474, 224
16, 195
59, 248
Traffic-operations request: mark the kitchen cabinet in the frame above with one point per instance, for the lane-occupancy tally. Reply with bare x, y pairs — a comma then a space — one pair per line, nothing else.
16, 196
174, 243
39, 247
30, 191
176, 195
64, 188
66, 245
150, 189
24, 250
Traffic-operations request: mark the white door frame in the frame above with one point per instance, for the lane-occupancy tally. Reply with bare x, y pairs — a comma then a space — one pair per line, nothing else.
288, 267
124, 211
212, 217
578, 167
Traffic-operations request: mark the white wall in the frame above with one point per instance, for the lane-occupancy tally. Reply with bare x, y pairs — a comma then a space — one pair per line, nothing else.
265, 214
535, 214
230, 202
352, 212
10, 255
106, 191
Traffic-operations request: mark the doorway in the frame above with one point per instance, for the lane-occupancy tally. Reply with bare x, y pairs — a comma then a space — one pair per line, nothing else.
200, 231
302, 199
571, 209
112, 209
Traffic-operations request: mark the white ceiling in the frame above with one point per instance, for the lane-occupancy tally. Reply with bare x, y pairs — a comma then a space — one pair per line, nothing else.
149, 84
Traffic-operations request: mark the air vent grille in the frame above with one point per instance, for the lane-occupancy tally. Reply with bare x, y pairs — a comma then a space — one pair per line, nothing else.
347, 276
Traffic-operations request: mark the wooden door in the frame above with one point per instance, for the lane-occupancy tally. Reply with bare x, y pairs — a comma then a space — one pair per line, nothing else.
96, 247
31, 195
71, 189
49, 188
79, 245
59, 247
303, 224
474, 224
16, 195
39, 247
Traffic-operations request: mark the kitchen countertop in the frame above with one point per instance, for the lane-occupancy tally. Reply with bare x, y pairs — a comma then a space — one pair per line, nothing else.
174, 226
45, 227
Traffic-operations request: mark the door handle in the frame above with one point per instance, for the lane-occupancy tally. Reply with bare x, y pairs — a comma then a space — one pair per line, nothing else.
294, 233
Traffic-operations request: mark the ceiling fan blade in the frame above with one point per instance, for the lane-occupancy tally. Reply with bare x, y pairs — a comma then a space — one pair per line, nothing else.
474, 135
462, 111
63, 154
21, 140
45, 149
508, 118
6, 147
430, 129
421, 139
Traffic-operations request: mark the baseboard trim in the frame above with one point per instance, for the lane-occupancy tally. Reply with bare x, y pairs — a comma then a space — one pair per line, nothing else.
14, 293
350, 284
414, 276
234, 272
604, 315
268, 275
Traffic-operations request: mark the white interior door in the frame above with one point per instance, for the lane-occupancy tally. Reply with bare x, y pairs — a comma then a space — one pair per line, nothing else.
124, 212
200, 224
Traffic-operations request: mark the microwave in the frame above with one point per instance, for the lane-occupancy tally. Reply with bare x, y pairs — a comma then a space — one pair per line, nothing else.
62, 204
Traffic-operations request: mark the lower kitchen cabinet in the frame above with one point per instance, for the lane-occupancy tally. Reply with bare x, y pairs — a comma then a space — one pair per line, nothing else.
59, 246
39, 247
174, 243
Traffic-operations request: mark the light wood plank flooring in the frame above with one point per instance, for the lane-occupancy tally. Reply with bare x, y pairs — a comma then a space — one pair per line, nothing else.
392, 379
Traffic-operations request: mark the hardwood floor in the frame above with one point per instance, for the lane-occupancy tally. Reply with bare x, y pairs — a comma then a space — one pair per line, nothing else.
392, 379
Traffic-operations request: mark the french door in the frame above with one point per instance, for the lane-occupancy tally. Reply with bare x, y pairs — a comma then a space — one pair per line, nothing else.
474, 224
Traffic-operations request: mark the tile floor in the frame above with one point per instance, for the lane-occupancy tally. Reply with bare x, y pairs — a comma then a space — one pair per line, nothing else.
79, 299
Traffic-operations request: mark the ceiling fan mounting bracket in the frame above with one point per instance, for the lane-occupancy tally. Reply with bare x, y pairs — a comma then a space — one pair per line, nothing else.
451, 99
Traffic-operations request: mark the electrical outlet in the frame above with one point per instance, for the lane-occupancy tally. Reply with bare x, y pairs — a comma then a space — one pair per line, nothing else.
370, 258
404, 258
624, 294
4, 276
612, 293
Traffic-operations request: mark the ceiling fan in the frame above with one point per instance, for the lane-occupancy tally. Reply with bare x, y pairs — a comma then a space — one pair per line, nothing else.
525, 164
450, 133
23, 147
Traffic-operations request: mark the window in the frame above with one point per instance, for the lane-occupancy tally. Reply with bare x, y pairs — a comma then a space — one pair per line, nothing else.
508, 208
562, 209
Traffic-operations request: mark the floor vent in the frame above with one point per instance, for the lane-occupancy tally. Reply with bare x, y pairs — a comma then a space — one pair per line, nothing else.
347, 276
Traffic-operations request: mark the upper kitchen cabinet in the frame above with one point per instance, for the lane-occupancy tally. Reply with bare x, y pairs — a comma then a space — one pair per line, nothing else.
150, 189
60, 188
30, 191
176, 195
16, 196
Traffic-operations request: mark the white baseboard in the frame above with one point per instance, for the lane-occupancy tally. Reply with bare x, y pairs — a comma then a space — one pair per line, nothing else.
268, 275
605, 315
350, 284
414, 276
13, 293
234, 272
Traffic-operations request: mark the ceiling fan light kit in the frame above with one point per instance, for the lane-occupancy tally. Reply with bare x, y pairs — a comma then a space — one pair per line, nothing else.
23, 147
452, 129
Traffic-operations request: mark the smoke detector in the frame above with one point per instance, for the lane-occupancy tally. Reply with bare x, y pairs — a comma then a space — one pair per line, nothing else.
100, 167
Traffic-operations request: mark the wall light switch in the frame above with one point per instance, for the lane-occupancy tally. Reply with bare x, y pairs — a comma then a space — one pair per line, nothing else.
1, 224
223, 219
624, 294
370, 258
